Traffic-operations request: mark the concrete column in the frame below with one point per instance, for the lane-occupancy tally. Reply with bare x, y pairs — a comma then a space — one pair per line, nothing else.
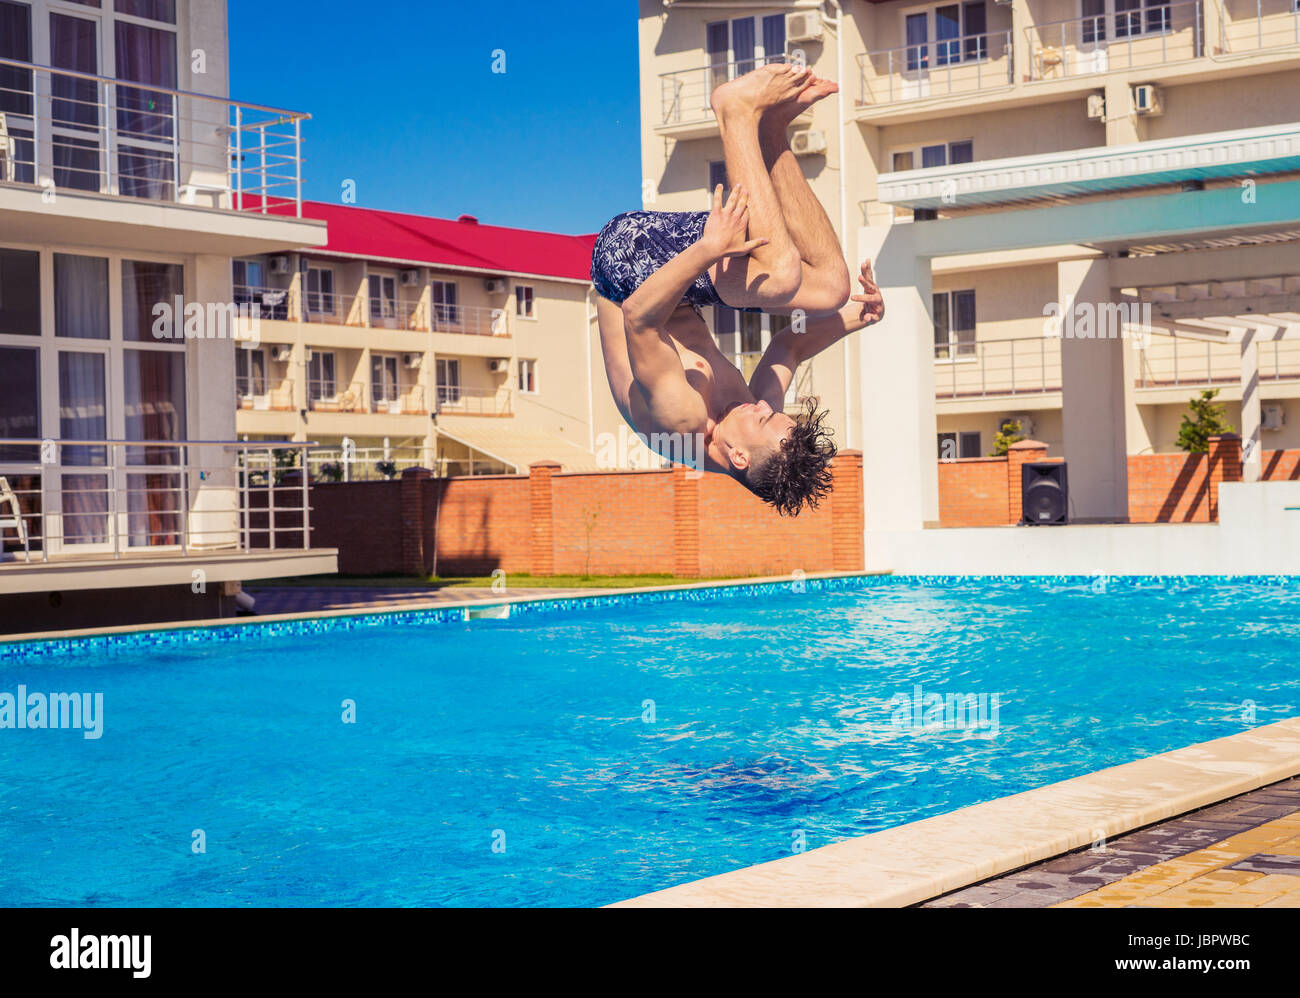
1095, 395
210, 415
1121, 126
846, 512
1251, 456
541, 527
1020, 55
899, 431
686, 523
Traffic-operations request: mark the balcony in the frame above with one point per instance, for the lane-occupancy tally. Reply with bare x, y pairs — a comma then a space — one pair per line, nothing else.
401, 399
264, 393
88, 507
456, 401
1086, 46
1175, 361
685, 112
1029, 365
965, 65
77, 148
363, 311
1257, 25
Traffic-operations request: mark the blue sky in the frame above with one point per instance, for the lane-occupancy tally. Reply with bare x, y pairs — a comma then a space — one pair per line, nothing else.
404, 101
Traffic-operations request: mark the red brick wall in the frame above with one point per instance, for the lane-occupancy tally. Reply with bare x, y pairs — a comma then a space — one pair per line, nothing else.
973, 492
652, 522
1162, 488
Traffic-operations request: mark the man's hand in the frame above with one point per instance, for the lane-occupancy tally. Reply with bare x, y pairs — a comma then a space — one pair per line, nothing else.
724, 232
871, 304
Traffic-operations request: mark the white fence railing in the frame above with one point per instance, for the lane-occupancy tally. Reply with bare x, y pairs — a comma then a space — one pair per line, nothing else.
1153, 35
975, 368
935, 69
68, 130
119, 498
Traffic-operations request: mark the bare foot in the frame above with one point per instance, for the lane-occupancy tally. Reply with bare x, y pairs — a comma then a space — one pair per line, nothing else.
764, 87
815, 89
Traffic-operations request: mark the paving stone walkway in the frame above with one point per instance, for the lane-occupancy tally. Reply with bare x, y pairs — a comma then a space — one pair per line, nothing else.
1239, 853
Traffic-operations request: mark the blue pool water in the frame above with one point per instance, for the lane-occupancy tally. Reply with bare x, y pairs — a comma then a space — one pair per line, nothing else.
773, 724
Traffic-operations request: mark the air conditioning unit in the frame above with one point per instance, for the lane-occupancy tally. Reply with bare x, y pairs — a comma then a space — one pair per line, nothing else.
495, 285
410, 278
279, 264
804, 26
306, 353
411, 361
1272, 416
1146, 99
281, 352
1026, 422
1096, 107
498, 365
808, 142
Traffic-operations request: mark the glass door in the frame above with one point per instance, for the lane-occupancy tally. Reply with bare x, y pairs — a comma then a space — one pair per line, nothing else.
384, 386
86, 491
76, 109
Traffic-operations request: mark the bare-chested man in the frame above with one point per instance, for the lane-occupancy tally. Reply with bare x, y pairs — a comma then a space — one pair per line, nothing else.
769, 247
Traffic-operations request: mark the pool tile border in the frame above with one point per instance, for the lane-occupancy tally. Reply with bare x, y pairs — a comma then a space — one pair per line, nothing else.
28, 648
921, 860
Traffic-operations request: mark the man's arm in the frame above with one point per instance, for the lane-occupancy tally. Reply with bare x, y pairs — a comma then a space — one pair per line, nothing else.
788, 348
655, 363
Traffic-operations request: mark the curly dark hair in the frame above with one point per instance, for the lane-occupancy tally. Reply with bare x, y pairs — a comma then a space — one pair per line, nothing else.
798, 473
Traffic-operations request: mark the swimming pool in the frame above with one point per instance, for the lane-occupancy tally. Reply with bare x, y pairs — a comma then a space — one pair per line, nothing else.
582, 753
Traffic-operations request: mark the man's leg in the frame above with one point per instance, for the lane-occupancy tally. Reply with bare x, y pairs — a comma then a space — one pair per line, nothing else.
825, 277
770, 275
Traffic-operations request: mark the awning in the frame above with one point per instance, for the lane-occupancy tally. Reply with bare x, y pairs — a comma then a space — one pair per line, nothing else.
515, 445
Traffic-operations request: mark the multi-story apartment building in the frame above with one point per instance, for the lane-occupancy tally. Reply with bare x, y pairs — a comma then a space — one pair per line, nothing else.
1006, 163
128, 182
460, 347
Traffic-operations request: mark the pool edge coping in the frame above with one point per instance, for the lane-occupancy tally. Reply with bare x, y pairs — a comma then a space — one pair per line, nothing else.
925, 859
253, 620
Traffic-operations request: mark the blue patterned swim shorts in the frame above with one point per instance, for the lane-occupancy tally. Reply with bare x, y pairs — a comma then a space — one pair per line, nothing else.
635, 244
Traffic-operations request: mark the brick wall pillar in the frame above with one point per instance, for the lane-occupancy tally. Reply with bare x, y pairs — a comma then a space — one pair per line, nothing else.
1224, 466
541, 526
1018, 454
414, 560
847, 554
686, 522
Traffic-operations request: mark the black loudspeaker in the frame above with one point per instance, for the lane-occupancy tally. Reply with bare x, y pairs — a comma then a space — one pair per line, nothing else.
1044, 493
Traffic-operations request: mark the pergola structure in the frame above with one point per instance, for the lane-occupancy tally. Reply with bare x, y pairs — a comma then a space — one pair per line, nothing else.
1092, 211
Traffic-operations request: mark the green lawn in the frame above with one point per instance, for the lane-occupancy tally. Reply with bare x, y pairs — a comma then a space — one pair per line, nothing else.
476, 581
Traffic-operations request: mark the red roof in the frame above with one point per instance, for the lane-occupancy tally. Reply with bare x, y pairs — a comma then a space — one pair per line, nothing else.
451, 243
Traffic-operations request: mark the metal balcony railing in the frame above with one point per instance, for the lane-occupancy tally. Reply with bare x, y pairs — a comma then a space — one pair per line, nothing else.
976, 368
936, 69
1173, 361
377, 313
684, 94
78, 131
454, 400
327, 395
1252, 25
264, 393
118, 498
397, 400
1153, 35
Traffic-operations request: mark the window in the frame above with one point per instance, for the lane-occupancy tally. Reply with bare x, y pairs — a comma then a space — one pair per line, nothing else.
20, 293
445, 308
320, 290
154, 400
524, 305
20, 403
940, 154
152, 10
946, 35
145, 118
385, 388
144, 285
383, 296
527, 375
448, 378
965, 444
1103, 19
735, 47
74, 109
250, 372
249, 276
80, 296
320, 376
954, 324
16, 86
718, 175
